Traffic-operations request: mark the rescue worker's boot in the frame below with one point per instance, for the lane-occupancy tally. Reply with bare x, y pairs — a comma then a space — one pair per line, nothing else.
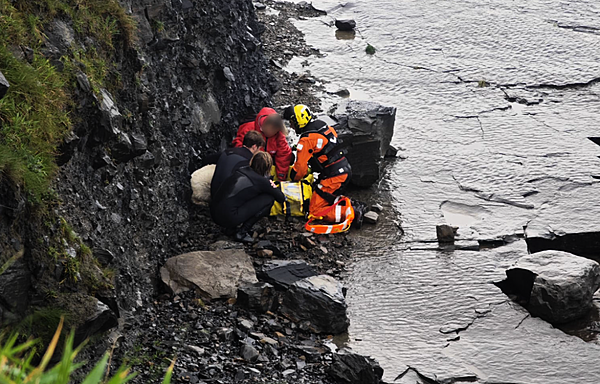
360, 209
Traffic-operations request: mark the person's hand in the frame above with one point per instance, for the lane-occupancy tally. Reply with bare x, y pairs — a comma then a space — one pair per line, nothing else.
273, 184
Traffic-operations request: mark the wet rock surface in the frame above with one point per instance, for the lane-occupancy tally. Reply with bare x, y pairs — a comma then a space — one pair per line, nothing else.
366, 129
258, 297
319, 303
351, 368
556, 286
345, 25
284, 273
284, 42
567, 225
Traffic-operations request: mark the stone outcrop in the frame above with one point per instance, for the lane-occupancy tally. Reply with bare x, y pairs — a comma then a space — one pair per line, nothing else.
213, 274
554, 285
318, 302
366, 129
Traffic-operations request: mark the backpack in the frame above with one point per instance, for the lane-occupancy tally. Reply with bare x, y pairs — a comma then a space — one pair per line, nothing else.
298, 195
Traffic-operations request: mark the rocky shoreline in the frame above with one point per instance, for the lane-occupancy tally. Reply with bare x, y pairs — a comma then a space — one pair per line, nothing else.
221, 340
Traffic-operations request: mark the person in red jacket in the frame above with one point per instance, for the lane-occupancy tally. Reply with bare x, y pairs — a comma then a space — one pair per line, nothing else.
270, 124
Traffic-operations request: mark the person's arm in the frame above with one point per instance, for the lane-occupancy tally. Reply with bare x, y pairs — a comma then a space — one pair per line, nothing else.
241, 133
304, 153
268, 186
283, 157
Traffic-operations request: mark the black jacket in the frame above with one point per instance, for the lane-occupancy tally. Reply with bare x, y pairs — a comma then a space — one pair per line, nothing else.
243, 186
228, 161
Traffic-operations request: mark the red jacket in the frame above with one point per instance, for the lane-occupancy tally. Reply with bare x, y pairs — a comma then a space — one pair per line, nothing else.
277, 145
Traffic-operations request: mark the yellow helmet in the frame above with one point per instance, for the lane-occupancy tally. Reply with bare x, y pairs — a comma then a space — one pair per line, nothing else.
299, 115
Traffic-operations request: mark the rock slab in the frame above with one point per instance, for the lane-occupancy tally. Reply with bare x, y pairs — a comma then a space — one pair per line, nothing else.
366, 129
214, 274
318, 301
283, 273
349, 367
565, 224
557, 286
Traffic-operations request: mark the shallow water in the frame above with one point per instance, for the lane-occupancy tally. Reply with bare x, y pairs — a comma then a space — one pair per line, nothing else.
493, 121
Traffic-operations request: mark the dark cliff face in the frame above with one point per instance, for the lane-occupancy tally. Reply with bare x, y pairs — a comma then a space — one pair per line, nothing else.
194, 73
197, 71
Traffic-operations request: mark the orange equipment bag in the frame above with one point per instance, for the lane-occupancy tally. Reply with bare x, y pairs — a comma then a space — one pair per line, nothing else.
340, 227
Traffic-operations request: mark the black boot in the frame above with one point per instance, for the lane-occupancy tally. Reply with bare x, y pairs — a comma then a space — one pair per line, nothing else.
360, 209
243, 237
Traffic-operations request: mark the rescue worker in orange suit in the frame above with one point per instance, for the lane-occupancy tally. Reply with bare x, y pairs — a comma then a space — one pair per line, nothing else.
319, 148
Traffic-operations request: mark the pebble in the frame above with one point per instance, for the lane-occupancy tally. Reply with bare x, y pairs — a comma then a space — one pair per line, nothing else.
377, 207
249, 353
246, 325
371, 217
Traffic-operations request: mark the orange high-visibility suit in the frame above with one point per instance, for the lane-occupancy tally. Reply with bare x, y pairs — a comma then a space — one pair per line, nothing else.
319, 147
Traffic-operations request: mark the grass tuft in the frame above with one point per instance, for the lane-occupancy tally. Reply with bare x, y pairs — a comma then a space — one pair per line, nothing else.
35, 114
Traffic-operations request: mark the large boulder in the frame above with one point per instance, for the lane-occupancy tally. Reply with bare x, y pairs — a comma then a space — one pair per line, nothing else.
554, 285
4, 85
319, 302
349, 367
213, 274
366, 129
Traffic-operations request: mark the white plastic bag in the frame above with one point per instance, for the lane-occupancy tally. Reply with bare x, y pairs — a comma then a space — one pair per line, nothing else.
200, 181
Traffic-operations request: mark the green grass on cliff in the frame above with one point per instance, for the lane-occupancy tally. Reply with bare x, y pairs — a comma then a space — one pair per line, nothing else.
35, 114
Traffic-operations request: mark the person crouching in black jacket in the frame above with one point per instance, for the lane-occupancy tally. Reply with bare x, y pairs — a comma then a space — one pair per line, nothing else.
245, 197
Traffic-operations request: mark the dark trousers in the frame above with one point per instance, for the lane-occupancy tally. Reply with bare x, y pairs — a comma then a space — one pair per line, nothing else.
248, 213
